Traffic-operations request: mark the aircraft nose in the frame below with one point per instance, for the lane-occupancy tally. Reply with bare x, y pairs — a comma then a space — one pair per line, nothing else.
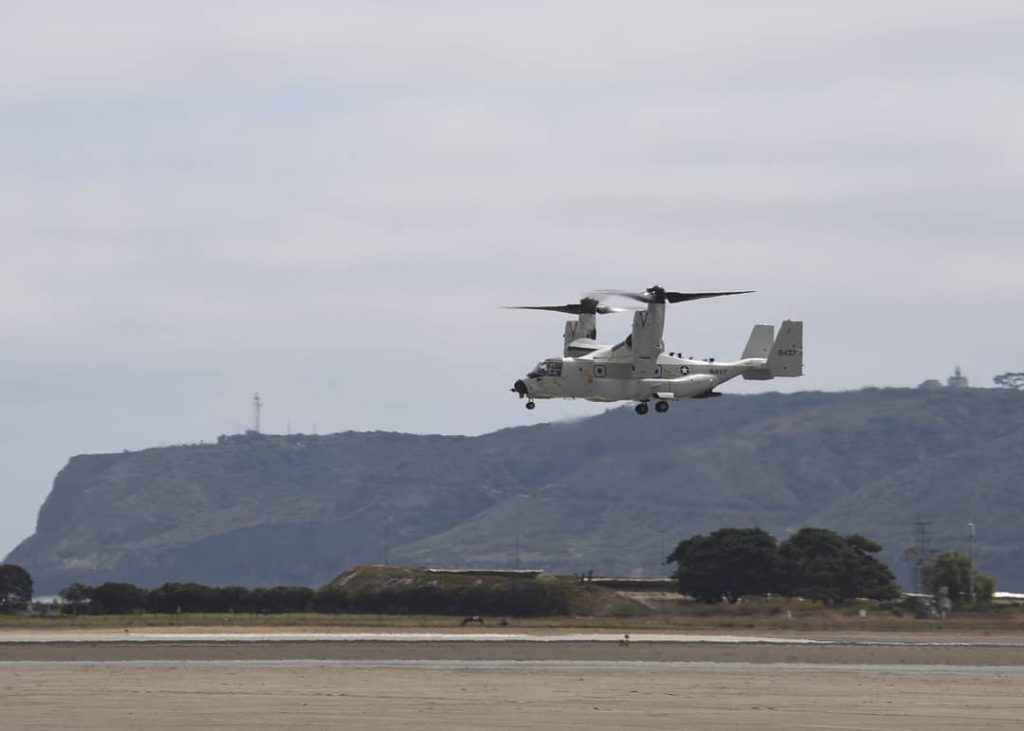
520, 388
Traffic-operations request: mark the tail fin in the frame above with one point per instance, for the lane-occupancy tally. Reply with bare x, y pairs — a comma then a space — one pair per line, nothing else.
787, 355
760, 343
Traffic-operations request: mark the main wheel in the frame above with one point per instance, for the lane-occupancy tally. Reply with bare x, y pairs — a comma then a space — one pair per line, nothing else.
661, 407
531, 405
641, 408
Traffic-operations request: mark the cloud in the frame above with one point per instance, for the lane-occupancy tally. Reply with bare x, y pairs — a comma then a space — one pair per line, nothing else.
329, 201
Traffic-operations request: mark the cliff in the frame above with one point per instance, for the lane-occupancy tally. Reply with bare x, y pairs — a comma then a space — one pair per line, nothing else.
612, 493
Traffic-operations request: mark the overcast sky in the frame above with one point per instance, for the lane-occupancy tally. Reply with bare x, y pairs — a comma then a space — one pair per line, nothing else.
328, 202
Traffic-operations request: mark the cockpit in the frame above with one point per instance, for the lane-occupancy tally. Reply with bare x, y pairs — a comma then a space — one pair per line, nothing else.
546, 368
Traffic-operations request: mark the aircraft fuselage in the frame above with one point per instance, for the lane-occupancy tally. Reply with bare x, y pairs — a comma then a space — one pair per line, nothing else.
610, 380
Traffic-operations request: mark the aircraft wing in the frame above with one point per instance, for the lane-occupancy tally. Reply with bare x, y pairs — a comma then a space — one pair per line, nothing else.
582, 346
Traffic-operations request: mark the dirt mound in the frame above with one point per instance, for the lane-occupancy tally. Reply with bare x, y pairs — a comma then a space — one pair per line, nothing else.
502, 593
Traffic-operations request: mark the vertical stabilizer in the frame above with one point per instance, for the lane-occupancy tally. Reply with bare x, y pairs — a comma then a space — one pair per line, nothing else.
787, 356
760, 342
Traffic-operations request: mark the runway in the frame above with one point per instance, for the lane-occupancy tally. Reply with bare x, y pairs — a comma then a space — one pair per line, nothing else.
519, 665
504, 647
467, 680
464, 636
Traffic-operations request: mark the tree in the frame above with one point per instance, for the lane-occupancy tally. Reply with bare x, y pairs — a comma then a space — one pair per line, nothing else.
871, 578
952, 569
15, 587
282, 599
230, 599
729, 563
1010, 380
76, 597
175, 596
331, 599
820, 564
191, 597
117, 598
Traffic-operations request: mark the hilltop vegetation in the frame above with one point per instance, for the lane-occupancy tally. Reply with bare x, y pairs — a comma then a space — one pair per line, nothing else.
384, 589
611, 494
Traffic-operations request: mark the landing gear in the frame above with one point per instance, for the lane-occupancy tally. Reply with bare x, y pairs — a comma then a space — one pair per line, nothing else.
661, 407
531, 405
641, 408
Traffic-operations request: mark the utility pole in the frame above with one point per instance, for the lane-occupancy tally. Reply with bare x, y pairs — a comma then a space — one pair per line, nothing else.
517, 539
970, 552
922, 552
518, 503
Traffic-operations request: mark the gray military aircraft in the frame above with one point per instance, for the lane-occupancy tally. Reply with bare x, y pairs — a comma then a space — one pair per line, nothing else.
637, 369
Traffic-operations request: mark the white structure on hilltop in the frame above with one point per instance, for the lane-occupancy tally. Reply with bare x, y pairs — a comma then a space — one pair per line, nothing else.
257, 408
957, 380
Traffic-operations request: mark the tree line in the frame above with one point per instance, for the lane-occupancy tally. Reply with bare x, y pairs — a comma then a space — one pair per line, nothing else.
725, 565
813, 563
515, 597
521, 598
115, 597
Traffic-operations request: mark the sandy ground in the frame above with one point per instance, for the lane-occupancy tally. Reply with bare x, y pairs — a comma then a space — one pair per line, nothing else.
120, 697
594, 683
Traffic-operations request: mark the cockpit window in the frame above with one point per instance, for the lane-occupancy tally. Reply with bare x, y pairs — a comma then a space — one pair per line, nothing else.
546, 368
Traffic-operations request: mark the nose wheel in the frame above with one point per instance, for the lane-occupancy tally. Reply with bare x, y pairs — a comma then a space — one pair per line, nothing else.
530, 405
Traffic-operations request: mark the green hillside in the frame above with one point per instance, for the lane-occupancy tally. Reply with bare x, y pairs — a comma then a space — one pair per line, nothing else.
612, 493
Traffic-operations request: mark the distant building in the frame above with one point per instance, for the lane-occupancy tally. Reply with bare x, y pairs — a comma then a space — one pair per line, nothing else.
957, 380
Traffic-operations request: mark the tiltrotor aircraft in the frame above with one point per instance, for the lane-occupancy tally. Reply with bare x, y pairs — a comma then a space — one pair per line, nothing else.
637, 369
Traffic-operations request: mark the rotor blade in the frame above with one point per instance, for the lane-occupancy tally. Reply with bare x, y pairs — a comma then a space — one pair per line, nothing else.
571, 309
688, 296
655, 293
587, 305
638, 296
567, 309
